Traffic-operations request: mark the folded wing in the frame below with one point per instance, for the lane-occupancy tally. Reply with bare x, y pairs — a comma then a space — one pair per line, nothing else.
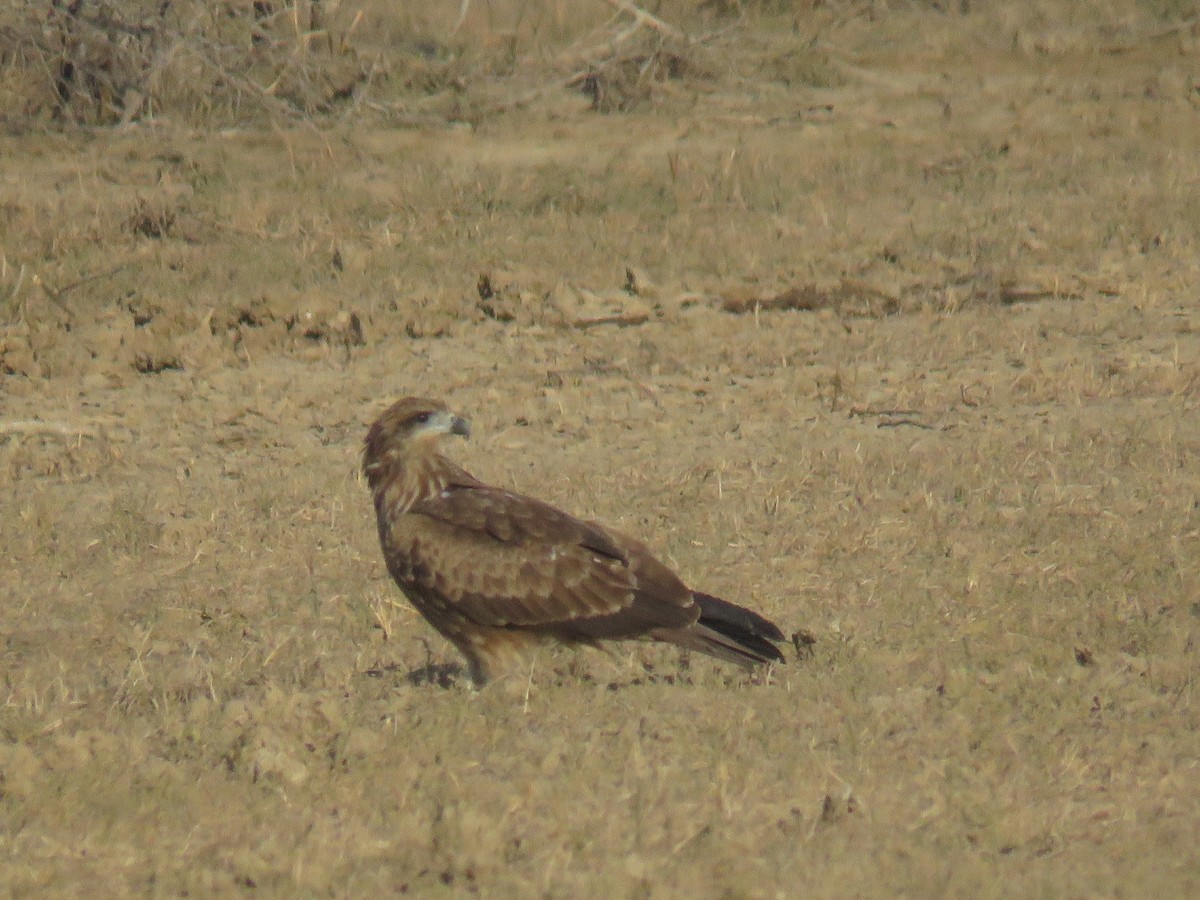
504, 560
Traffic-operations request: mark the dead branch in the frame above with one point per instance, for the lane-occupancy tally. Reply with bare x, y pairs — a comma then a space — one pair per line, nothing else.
669, 31
34, 428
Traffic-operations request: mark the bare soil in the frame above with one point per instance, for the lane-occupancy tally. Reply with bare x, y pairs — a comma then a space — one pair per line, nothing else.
883, 321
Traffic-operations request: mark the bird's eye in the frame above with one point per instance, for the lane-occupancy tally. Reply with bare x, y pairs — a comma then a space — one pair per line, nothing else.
422, 418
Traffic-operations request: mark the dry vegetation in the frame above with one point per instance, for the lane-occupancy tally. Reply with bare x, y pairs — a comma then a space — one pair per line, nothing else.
881, 318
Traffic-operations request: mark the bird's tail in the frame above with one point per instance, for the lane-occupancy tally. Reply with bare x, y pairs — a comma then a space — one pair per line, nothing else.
730, 632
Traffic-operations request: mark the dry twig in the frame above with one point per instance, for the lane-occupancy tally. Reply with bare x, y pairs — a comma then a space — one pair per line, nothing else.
646, 18
34, 428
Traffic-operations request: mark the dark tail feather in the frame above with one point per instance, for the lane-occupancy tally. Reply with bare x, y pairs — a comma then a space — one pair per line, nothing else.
730, 632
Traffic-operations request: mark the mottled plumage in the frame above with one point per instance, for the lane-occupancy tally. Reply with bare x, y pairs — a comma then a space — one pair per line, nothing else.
495, 571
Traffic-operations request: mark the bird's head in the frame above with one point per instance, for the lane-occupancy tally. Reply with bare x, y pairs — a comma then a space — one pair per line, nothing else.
408, 426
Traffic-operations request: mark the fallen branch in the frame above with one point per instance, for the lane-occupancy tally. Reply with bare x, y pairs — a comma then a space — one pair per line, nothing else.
805, 297
32, 427
646, 18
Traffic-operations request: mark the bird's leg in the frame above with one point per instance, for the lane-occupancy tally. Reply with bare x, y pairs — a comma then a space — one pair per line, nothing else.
478, 670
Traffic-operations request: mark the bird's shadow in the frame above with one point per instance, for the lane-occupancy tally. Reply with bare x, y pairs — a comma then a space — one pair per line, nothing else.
442, 675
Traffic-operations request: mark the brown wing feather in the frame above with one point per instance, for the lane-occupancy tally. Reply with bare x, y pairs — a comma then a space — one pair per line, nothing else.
502, 559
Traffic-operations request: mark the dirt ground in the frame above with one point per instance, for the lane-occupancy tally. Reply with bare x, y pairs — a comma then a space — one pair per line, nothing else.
883, 321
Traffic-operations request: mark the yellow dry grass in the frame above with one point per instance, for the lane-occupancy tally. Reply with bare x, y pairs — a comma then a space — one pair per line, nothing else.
968, 469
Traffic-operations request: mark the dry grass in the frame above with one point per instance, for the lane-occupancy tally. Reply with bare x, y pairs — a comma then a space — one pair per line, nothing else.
898, 344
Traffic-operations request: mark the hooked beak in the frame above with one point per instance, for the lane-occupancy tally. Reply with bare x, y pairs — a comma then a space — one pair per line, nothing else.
459, 425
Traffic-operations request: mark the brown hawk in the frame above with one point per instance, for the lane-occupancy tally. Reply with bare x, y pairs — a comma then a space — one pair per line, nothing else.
495, 571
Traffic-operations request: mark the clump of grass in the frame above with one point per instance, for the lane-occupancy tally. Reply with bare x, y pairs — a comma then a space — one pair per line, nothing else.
105, 63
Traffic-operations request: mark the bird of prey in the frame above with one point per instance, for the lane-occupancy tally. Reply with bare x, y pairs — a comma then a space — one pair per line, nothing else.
496, 572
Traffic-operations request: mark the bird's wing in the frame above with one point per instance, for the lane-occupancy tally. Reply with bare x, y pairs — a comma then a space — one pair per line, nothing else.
502, 559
